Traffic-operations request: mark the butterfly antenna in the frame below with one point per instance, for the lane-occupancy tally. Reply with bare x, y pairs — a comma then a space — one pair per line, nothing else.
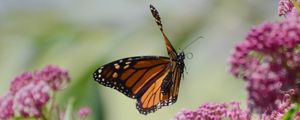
192, 42
155, 14
157, 18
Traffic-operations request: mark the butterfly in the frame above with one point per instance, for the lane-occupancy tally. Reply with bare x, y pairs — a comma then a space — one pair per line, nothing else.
152, 80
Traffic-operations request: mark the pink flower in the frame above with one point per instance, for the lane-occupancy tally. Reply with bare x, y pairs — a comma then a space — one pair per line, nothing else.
269, 62
236, 113
56, 77
282, 108
297, 116
84, 112
30, 91
6, 106
264, 87
186, 114
284, 7
21, 81
214, 111
31, 98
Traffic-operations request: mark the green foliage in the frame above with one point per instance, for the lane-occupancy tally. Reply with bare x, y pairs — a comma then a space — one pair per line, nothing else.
68, 113
85, 93
291, 113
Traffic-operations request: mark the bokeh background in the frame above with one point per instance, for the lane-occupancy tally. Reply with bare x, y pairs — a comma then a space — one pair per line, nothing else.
83, 35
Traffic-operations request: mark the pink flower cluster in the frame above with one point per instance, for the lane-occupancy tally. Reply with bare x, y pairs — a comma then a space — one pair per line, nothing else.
6, 103
286, 7
213, 111
282, 109
269, 61
30, 91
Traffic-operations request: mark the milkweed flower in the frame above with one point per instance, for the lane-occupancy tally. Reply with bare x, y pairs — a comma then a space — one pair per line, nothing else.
31, 91
55, 77
215, 111
84, 112
31, 98
282, 109
269, 61
297, 116
6, 106
286, 7
236, 113
21, 81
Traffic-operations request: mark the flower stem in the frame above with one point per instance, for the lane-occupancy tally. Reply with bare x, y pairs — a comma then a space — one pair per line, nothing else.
43, 116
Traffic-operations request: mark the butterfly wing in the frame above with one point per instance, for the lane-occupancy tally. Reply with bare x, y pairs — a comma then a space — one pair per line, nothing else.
131, 76
153, 99
164, 90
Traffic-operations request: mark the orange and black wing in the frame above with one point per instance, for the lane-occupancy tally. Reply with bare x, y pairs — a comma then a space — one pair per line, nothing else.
132, 76
153, 98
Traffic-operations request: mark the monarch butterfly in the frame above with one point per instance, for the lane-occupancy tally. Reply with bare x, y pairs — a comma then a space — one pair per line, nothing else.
152, 80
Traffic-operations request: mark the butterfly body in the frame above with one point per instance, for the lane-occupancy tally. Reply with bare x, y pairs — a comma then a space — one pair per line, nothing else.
152, 80
168, 82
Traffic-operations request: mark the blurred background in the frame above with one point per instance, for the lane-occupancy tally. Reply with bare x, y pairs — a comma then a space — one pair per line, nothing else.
83, 35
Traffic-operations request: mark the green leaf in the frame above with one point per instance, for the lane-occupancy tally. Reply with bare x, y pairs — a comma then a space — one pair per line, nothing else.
291, 113
68, 113
21, 118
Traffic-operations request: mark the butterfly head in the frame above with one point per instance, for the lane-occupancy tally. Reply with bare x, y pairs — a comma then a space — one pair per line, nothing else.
181, 56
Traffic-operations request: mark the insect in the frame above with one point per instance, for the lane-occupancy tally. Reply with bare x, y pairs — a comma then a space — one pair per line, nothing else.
152, 80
